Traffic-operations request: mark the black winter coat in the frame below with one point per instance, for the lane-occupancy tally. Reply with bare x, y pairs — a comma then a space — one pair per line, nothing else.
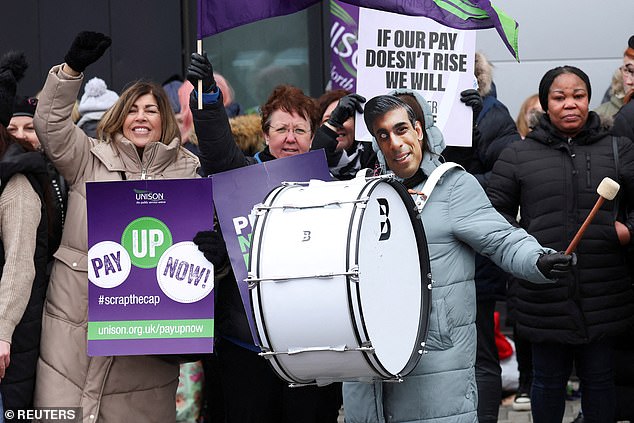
554, 180
218, 153
624, 121
17, 386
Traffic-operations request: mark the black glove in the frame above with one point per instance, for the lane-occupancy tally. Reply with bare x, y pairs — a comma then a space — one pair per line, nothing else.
200, 68
346, 108
212, 245
556, 265
472, 99
86, 49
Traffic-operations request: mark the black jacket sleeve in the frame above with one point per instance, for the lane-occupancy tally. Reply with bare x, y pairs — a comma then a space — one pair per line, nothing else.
326, 138
626, 179
497, 130
624, 121
218, 150
503, 189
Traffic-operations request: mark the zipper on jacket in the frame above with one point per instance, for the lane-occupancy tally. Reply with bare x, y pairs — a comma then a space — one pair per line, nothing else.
575, 174
574, 289
144, 167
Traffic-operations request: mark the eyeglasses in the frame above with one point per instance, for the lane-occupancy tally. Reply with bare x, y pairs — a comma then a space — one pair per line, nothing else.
298, 131
628, 71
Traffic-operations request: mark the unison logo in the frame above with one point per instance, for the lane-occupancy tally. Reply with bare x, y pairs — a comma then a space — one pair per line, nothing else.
143, 195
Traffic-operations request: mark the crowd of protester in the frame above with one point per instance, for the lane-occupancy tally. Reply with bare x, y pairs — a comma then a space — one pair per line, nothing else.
502, 221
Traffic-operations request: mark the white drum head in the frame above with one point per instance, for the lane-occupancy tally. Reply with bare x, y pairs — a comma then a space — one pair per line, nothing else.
390, 280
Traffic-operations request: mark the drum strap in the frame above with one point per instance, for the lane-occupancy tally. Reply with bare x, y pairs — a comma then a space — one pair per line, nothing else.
432, 180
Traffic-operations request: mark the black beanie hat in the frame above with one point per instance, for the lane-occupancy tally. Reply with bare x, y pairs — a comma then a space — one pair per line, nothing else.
12, 67
24, 106
549, 77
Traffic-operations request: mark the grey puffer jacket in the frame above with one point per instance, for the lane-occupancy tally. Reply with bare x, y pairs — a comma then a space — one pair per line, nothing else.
458, 220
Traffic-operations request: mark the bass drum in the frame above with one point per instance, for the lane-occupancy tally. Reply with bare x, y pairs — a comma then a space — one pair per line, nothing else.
340, 281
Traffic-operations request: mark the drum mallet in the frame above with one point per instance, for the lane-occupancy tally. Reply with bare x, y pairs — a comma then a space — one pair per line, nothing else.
607, 190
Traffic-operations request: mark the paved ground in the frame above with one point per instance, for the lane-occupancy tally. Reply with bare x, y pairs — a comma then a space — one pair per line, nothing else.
507, 415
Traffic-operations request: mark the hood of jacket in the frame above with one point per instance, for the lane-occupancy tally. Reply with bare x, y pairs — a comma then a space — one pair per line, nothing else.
121, 156
433, 135
17, 160
546, 133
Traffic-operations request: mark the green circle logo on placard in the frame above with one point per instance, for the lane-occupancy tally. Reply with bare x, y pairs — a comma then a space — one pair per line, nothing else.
146, 239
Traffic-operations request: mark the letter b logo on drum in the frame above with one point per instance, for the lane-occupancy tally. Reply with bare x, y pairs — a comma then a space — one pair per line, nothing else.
386, 226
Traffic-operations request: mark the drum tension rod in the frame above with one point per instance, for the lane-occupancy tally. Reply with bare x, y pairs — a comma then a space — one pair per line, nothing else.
252, 280
260, 209
268, 353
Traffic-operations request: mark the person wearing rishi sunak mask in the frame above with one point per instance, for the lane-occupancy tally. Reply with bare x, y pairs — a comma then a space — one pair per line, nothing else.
458, 221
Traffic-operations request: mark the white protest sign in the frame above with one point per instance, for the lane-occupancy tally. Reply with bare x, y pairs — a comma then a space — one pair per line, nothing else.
418, 54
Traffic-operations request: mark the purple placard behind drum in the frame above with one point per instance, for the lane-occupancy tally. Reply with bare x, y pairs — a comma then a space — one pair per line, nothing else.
237, 191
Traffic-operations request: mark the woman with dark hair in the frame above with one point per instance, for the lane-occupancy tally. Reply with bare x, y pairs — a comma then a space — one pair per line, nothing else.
553, 176
138, 139
252, 392
24, 195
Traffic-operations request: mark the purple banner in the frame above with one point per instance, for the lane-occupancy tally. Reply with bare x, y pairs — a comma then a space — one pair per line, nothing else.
215, 16
237, 191
150, 290
343, 46
457, 14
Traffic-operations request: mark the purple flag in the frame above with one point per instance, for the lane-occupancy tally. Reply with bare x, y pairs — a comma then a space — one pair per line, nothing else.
458, 14
215, 16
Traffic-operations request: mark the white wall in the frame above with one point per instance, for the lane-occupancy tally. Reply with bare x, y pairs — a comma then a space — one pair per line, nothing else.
589, 34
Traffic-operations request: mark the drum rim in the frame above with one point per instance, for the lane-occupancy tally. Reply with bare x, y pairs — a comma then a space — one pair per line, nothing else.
263, 338
425, 268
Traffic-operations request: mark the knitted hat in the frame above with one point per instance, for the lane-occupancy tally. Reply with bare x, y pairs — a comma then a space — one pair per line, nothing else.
97, 97
24, 106
549, 77
12, 68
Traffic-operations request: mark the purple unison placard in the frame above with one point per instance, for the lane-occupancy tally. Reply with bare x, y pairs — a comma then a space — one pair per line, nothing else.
237, 191
343, 45
150, 290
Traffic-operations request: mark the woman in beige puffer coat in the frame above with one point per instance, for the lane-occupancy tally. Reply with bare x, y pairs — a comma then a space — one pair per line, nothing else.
139, 141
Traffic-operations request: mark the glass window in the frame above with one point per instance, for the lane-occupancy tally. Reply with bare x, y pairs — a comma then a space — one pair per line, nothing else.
254, 58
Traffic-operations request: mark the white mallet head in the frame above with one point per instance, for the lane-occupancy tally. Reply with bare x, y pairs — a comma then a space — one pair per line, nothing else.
608, 188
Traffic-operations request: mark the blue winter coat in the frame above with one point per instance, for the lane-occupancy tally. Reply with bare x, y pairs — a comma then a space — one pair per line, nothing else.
459, 221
